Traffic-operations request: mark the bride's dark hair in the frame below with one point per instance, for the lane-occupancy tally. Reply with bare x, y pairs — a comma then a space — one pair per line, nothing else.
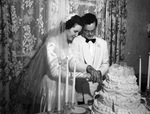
71, 23
74, 20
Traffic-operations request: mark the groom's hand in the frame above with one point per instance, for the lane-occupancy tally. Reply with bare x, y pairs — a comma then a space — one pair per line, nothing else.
96, 75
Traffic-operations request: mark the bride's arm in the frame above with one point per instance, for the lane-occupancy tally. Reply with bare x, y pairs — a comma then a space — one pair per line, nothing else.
53, 61
80, 68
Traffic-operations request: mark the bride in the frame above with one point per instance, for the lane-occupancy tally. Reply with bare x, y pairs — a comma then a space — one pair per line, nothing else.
37, 90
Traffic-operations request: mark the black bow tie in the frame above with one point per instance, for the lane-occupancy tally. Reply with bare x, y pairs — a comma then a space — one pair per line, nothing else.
92, 40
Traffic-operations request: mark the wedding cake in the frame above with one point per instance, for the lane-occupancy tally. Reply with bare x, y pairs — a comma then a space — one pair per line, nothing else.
120, 93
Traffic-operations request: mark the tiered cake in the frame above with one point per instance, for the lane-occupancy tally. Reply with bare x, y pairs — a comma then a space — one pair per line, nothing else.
120, 93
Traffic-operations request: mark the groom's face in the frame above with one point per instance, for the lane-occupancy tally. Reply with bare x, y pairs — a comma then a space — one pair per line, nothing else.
89, 30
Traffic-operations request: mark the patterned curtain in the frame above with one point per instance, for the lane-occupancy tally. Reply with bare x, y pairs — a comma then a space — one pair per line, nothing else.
115, 29
24, 25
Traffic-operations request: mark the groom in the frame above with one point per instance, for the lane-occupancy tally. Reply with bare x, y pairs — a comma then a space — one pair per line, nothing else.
92, 51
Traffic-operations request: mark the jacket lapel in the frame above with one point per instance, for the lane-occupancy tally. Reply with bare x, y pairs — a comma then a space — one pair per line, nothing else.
98, 55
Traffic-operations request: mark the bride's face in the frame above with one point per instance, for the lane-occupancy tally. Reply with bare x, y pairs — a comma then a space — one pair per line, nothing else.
73, 32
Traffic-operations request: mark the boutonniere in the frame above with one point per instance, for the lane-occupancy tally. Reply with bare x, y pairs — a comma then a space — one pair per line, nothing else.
98, 45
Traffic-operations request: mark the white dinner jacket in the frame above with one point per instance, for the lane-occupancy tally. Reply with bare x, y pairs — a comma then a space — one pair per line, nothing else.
82, 54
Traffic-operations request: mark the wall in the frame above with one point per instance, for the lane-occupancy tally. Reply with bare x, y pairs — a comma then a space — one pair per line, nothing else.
137, 42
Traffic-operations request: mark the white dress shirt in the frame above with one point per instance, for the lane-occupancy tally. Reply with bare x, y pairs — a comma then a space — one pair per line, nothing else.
92, 49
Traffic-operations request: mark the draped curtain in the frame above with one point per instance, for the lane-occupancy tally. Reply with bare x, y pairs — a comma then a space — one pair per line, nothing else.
24, 25
115, 29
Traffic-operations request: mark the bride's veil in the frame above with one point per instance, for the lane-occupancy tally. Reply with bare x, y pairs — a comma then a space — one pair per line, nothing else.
27, 90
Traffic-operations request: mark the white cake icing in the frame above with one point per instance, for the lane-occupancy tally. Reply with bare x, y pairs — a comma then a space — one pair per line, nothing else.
78, 110
120, 93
